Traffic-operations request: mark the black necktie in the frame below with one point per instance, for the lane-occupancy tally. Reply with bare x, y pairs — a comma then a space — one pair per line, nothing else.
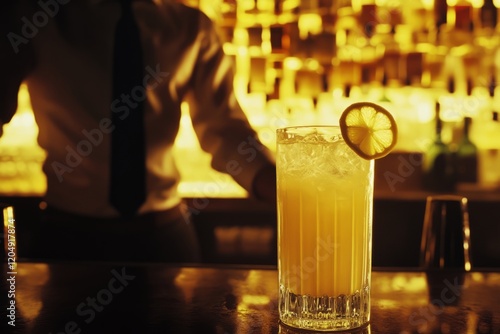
128, 171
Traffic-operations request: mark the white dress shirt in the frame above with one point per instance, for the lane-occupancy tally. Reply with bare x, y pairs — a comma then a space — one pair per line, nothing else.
70, 90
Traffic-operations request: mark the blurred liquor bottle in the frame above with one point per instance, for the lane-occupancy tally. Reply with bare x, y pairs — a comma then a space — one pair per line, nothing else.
488, 15
466, 156
438, 171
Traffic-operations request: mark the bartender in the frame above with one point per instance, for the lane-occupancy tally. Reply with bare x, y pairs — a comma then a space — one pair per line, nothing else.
106, 81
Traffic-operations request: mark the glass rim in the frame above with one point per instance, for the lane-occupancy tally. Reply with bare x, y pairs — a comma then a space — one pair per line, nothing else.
292, 128
307, 126
328, 132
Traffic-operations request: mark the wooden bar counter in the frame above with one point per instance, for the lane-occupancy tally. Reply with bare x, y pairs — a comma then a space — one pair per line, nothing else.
158, 298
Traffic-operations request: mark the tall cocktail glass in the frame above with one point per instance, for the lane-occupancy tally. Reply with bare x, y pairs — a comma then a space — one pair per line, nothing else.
325, 200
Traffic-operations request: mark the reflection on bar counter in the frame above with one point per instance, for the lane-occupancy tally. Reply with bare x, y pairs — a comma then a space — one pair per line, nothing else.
302, 62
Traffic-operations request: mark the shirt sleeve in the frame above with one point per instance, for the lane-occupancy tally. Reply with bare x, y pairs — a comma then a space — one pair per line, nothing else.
16, 55
218, 120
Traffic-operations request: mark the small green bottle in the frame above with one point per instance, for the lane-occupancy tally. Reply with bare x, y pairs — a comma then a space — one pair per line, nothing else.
466, 156
438, 171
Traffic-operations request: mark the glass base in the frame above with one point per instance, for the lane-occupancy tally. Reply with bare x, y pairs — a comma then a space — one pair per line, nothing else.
325, 313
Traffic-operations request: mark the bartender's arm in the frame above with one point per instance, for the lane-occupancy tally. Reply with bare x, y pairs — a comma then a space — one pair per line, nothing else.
16, 58
221, 125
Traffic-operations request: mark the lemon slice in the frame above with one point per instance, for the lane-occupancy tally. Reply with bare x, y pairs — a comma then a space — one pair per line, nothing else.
369, 130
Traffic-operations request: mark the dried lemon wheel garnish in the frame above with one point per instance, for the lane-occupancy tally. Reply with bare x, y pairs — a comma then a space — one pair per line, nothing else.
369, 130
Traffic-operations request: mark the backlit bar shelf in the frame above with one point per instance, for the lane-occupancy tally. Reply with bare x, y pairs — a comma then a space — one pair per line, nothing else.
21, 157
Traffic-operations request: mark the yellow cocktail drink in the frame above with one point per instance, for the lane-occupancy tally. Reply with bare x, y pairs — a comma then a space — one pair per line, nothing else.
325, 196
